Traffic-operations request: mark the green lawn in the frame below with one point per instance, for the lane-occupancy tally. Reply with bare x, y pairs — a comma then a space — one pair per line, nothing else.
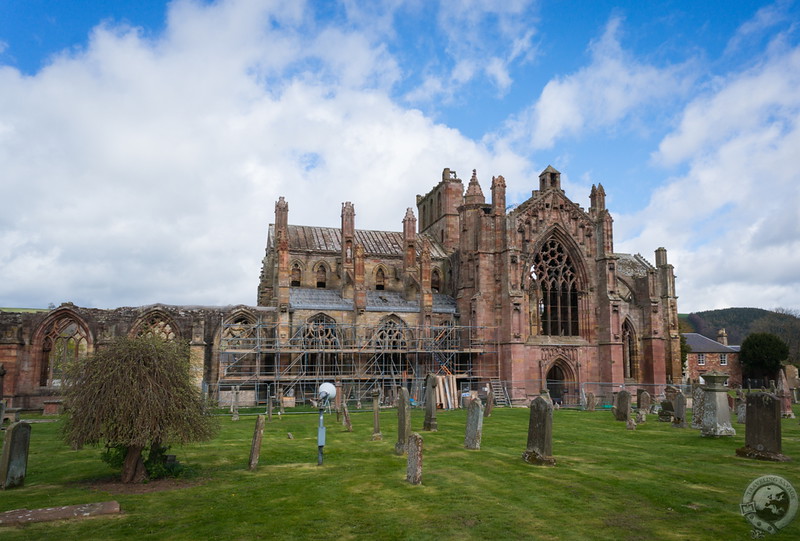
657, 482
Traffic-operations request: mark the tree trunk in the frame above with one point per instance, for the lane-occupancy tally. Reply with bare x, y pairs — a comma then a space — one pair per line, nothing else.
133, 470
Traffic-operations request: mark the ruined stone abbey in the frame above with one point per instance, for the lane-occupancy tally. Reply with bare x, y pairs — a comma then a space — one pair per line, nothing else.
508, 301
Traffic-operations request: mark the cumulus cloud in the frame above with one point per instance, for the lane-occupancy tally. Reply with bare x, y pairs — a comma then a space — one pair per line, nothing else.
612, 87
144, 169
732, 218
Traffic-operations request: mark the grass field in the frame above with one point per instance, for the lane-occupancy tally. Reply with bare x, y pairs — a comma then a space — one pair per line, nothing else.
657, 482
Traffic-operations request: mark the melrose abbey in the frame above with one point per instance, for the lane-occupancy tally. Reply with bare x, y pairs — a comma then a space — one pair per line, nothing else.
507, 301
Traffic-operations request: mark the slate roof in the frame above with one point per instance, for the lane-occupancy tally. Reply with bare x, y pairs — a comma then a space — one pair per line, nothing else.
375, 243
301, 298
633, 265
700, 344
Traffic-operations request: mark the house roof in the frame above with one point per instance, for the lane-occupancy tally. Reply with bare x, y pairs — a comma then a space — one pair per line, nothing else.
700, 344
375, 243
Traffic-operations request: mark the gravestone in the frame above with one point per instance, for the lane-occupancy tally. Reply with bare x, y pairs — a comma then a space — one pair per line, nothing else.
281, 409
785, 396
741, 407
645, 401
376, 416
540, 434
546, 395
430, 424
762, 436
641, 417
2, 412
666, 412
669, 393
716, 413
590, 401
269, 405
348, 425
679, 417
255, 448
403, 421
414, 464
698, 401
235, 404
630, 424
622, 406
472, 439
487, 411
14, 459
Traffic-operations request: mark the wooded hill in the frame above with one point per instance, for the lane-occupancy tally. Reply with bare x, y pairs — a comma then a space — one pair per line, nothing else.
739, 322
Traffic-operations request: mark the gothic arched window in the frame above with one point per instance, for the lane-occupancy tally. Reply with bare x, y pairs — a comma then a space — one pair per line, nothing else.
630, 356
65, 340
297, 275
436, 282
157, 324
553, 274
322, 276
380, 279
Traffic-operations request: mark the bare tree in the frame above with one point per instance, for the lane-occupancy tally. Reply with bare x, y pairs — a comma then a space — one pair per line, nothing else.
135, 392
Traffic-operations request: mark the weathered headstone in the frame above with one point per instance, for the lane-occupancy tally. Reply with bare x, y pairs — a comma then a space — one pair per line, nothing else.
641, 417
376, 416
281, 409
474, 431
348, 424
679, 418
540, 434
487, 411
785, 396
666, 412
269, 405
716, 413
630, 424
430, 424
762, 436
669, 393
235, 404
403, 421
14, 459
645, 401
622, 406
255, 448
546, 395
590, 401
698, 401
414, 464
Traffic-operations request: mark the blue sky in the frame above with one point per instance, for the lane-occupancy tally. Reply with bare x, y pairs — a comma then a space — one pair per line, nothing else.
143, 144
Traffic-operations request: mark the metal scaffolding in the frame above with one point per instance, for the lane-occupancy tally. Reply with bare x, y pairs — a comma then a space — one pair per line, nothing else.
361, 358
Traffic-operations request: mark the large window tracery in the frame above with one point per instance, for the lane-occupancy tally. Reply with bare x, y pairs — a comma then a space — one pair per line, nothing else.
65, 340
554, 283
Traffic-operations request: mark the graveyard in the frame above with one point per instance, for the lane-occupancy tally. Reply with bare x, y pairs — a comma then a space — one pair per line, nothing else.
658, 481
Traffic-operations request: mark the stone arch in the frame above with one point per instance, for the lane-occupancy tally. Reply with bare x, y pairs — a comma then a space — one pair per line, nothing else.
436, 281
321, 274
630, 352
562, 382
556, 281
296, 270
392, 338
321, 339
156, 323
63, 336
380, 276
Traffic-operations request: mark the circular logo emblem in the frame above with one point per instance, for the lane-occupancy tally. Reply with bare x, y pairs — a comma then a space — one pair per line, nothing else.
769, 503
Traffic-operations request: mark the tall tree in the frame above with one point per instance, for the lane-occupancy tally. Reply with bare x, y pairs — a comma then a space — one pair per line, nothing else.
135, 393
761, 355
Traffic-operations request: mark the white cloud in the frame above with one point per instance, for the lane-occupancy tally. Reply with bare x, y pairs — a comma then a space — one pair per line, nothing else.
145, 170
612, 87
732, 218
